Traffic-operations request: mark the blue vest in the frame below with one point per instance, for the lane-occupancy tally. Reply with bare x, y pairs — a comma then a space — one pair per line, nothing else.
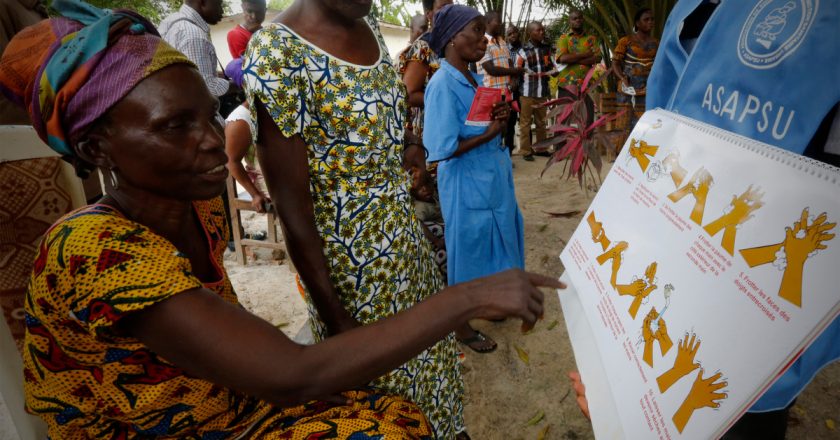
768, 70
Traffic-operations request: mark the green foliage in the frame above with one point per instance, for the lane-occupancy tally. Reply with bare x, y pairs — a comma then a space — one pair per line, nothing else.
279, 5
154, 10
487, 5
391, 11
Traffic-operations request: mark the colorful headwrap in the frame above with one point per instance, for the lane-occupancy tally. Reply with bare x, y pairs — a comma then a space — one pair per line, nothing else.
449, 20
68, 71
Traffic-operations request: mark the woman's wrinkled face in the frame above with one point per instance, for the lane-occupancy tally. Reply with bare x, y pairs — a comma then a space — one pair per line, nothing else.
470, 43
163, 137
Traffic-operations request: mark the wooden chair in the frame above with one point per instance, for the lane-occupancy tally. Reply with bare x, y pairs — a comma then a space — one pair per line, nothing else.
38, 188
241, 201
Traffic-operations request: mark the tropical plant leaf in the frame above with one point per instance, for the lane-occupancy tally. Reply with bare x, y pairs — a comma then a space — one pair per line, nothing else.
551, 161
584, 86
558, 101
547, 143
594, 154
577, 162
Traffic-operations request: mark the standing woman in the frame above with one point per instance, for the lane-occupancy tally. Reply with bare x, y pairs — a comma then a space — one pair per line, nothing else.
484, 229
632, 61
330, 109
416, 66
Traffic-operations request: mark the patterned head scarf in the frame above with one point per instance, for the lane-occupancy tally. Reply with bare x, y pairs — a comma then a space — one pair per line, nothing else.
449, 20
68, 71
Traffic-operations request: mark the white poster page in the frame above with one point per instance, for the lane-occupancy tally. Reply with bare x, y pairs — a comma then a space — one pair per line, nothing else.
704, 265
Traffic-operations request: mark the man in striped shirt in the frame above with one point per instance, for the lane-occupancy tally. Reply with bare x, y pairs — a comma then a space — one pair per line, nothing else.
497, 66
188, 30
536, 59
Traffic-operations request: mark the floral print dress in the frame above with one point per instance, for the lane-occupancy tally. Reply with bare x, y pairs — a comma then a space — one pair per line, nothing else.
351, 117
88, 380
421, 52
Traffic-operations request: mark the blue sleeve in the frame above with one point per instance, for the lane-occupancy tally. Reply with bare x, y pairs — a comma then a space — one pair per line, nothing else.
824, 350
442, 120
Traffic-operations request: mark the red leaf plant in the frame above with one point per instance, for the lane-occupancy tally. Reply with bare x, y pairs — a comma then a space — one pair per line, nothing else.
574, 130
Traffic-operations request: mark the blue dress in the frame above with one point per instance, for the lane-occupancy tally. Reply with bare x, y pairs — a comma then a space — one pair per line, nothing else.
789, 77
484, 229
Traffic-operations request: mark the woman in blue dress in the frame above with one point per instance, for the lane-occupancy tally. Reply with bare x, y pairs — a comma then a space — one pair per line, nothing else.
484, 229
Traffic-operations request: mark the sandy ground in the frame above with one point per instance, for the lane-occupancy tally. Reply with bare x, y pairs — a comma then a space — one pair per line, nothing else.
504, 392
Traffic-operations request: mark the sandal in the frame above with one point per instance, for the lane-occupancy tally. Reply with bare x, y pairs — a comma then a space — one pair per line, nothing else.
475, 341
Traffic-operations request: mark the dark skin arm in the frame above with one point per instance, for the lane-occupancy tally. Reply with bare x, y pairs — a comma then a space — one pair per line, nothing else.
494, 70
500, 116
618, 69
208, 340
237, 141
587, 58
415, 82
285, 166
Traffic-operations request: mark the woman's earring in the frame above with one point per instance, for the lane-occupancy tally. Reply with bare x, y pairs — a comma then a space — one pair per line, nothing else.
114, 182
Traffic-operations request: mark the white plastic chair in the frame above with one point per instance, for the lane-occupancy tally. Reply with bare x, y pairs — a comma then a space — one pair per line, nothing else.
21, 143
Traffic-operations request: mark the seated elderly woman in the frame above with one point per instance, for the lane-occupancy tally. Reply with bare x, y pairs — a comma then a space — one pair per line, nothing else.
133, 328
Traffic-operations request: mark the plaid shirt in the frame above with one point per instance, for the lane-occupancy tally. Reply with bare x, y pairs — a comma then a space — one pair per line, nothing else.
535, 59
187, 31
498, 54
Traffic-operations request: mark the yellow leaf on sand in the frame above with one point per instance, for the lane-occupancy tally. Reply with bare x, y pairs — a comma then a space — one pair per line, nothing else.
829, 423
536, 419
543, 432
552, 325
522, 354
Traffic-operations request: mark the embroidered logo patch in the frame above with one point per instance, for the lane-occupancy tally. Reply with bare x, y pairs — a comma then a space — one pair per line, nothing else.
774, 30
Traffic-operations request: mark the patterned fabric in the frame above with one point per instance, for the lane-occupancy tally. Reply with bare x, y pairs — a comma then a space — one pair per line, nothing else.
638, 60
574, 74
351, 119
187, 31
32, 197
86, 380
68, 72
535, 59
498, 54
421, 52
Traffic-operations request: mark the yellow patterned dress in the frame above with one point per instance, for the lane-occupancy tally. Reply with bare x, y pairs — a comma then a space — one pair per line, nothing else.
351, 117
88, 381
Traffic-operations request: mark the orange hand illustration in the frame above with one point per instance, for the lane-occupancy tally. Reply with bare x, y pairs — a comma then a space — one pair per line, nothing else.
661, 335
703, 394
683, 364
633, 289
615, 255
640, 289
678, 173
650, 272
742, 209
598, 233
641, 151
648, 337
799, 244
698, 186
